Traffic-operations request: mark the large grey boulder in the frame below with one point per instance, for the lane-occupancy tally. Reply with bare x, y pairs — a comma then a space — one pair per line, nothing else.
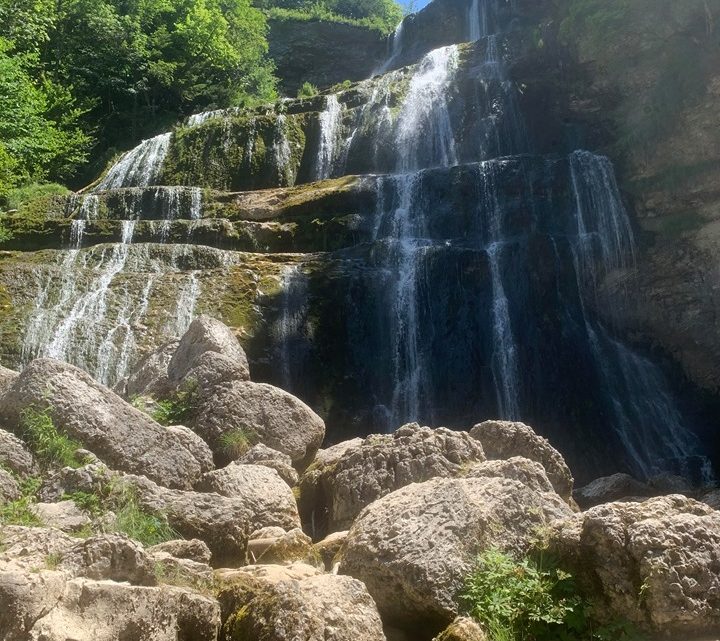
15, 456
9, 489
266, 496
611, 488
263, 455
517, 468
263, 413
505, 439
656, 563
335, 492
122, 436
204, 335
315, 608
63, 515
414, 547
149, 378
7, 376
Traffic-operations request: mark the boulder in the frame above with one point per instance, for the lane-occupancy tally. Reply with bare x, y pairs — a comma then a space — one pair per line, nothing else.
149, 378
260, 489
275, 546
463, 629
262, 412
317, 608
122, 436
656, 563
329, 548
55, 588
204, 335
712, 499
211, 370
7, 376
195, 445
611, 488
517, 468
505, 439
263, 455
414, 547
193, 550
15, 457
9, 489
88, 610
64, 515
380, 465
170, 570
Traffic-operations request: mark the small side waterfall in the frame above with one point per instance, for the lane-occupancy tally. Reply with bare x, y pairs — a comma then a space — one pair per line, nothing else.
138, 167
92, 316
330, 121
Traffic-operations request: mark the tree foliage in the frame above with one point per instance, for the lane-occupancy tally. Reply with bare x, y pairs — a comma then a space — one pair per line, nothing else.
114, 71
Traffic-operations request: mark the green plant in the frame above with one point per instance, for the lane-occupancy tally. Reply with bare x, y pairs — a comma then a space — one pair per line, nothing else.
52, 560
533, 600
175, 409
19, 512
87, 502
308, 90
131, 519
235, 442
51, 446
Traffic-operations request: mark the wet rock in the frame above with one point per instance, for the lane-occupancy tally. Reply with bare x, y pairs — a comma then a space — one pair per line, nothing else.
656, 563
414, 547
122, 436
505, 439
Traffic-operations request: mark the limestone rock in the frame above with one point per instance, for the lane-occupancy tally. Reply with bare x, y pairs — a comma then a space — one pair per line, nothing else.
463, 629
611, 488
195, 445
260, 489
382, 464
206, 334
505, 439
150, 376
656, 563
112, 557
212, 369
414, 547
25, 549
318, 608
7, 376
273, 545
517, 468
170, 570
91, 479
107, 611
15, 456
64, 515
329, 548
263, 455
712, 499
122, 436
276, 418
9, 489
193, 550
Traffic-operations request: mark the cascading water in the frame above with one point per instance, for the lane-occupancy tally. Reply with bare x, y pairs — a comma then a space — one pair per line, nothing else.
94, 315
330, 121
138, 167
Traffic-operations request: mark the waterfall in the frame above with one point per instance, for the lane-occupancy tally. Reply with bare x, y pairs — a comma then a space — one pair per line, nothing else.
396, 46
330, 121
281, 152
138, 167
423, 132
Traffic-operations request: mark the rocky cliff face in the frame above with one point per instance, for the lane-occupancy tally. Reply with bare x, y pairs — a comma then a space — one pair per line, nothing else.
427, 243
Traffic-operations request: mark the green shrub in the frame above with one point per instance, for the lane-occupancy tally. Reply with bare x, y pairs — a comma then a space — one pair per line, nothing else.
235, 442
87, 502
308, 90
532, 600
175, 409
52, 447
19, 513
20, 196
